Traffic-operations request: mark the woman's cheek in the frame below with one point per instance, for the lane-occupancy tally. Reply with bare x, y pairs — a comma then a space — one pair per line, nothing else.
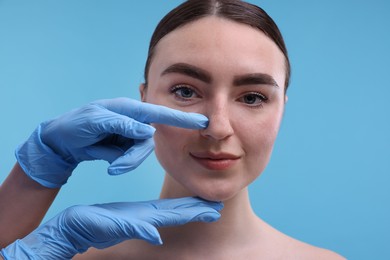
170, 143
260, 143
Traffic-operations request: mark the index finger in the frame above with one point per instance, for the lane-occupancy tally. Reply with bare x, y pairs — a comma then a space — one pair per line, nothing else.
151, 113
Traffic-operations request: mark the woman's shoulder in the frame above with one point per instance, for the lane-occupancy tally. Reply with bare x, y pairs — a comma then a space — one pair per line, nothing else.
301, 250
296, 249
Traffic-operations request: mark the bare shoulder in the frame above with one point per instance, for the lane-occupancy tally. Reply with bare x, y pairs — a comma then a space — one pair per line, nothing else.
301, 250
296, 249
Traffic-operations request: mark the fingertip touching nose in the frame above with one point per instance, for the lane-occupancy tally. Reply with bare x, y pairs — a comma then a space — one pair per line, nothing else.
219, 127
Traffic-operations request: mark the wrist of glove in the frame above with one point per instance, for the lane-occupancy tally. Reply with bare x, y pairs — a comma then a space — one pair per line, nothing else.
103, 225
41, 163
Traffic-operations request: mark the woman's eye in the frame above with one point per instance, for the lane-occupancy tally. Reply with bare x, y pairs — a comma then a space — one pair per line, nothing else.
253, 99
183, 92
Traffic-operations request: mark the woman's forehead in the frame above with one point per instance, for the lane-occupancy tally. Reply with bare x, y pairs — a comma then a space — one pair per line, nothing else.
214, 41
221, 31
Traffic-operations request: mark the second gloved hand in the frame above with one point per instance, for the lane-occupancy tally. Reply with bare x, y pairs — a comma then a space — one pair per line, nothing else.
80, 227
114, 130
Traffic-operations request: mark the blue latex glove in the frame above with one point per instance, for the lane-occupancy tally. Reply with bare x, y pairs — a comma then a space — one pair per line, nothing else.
115, 130
80, 227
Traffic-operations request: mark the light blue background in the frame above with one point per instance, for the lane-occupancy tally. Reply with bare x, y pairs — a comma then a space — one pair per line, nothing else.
328, 181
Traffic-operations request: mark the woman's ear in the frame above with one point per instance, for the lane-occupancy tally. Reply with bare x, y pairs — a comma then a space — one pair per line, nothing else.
285, 99
142, 92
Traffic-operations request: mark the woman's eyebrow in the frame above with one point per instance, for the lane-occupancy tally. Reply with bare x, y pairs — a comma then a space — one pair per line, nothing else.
255, 79
188, 70
202, 75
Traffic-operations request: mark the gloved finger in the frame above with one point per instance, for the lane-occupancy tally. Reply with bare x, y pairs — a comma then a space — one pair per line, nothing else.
145, 231
94, 226
150, 113
108, 149
182, 216
124, 229
113, 123
100, 152
115, 225
132, 158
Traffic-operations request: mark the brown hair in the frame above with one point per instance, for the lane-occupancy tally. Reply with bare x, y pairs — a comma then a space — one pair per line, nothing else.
235, 10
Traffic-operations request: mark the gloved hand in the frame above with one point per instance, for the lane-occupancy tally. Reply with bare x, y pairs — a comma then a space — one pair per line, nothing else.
115, 130
80, 227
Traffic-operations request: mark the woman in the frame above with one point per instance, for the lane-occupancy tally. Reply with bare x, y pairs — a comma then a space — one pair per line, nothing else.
225, 60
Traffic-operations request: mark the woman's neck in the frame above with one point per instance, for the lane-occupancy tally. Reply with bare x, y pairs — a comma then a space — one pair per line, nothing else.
237, 226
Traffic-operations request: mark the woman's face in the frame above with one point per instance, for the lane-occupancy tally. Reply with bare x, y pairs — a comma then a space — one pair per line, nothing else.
234, 75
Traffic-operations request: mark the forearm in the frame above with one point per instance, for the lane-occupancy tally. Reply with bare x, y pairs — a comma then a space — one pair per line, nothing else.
23, 204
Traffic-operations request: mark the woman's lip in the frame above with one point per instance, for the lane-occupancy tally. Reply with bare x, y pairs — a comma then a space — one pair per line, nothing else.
215, 156
216, 162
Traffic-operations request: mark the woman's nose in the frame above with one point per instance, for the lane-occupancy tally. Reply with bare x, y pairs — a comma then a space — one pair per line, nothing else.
219, 127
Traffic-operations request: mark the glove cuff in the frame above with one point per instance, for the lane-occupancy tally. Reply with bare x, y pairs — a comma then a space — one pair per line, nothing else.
17, 250
41, 163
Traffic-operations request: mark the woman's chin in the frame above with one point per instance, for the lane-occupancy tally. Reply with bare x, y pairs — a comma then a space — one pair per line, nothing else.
216, 194
212, 190
221, 189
